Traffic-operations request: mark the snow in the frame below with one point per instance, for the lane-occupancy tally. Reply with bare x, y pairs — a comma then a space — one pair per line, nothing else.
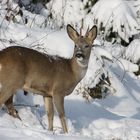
115, 117
65, 12
133, 51
127, 65
116, 14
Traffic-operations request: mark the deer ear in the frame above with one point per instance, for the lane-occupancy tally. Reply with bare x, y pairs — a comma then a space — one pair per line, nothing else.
91, 34
73, 34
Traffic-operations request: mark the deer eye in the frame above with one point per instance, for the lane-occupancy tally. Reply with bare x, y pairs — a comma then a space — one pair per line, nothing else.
86, 46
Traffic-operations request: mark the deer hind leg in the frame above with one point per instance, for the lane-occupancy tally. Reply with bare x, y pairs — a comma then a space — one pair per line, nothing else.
50, 111
59, 104
11, 109
4, 96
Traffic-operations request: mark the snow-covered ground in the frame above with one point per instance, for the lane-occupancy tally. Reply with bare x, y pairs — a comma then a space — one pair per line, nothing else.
86, 121
117, 117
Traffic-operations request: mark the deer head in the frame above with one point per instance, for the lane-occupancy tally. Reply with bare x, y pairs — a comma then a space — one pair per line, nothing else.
83, 44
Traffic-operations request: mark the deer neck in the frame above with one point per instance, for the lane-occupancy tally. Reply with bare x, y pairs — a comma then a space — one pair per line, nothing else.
78, 70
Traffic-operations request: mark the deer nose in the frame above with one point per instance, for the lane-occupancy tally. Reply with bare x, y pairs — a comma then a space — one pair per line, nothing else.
79, 55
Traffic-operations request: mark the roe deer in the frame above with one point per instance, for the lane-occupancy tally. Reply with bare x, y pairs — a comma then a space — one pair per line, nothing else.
32, 71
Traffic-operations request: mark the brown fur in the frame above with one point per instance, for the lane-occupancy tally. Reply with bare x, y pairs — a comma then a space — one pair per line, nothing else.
27, 69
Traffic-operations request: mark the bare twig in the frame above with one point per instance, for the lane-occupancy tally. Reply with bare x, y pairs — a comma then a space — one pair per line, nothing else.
32, 21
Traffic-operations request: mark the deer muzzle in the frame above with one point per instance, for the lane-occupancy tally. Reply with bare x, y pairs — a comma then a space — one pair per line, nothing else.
80, 55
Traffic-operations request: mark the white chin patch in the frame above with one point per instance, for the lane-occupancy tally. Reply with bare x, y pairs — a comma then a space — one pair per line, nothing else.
80, 63
79, 58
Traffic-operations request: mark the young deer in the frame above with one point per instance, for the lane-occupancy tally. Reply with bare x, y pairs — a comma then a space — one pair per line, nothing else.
27, 69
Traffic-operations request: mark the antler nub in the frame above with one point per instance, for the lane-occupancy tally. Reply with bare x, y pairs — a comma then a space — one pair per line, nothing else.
87, 31
82, 25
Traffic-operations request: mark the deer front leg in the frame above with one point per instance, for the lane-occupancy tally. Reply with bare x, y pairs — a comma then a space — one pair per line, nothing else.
59, 104
50, 111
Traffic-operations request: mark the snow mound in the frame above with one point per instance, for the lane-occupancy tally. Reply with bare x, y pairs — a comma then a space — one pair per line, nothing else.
133, 51
116, 14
